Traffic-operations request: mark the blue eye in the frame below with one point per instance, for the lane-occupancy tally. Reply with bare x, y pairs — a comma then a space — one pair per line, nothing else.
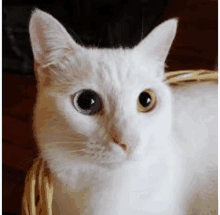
87, 102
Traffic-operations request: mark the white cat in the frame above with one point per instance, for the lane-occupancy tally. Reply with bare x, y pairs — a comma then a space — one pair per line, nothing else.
105, 124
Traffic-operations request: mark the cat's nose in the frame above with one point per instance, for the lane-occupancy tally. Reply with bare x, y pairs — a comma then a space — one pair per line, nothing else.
115, 138
118, 141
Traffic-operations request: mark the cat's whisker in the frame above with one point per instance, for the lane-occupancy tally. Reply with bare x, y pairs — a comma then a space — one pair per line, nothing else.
74, 142
76, 152
63, 136
81, 150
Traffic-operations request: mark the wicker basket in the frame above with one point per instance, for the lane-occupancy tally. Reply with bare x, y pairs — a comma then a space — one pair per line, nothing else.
38, 191
181, 77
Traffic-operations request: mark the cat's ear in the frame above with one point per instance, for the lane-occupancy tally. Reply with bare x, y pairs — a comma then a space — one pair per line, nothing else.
158, 42
49, 39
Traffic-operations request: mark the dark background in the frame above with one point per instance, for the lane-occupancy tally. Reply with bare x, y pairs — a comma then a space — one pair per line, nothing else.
107, 23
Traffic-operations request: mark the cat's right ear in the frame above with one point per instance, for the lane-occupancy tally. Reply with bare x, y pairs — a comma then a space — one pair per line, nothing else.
49, 39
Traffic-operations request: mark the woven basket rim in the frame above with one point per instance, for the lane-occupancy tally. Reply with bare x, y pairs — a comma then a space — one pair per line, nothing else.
177, 77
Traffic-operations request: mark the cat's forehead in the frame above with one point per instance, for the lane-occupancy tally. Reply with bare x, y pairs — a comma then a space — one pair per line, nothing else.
108, 71
118, 66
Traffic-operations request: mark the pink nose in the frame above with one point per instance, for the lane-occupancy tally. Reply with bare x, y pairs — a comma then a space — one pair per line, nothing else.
117, 140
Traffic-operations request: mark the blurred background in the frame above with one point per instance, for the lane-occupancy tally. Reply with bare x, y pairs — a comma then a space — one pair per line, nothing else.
100, 23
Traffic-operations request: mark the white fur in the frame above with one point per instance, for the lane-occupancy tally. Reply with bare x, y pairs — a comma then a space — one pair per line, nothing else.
94, 175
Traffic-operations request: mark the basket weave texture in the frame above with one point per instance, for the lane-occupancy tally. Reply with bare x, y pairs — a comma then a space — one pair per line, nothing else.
181, 77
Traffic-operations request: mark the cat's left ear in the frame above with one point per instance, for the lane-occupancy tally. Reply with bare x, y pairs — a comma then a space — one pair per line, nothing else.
157, 44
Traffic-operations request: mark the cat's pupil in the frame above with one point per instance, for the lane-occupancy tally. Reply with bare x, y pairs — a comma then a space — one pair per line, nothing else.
87, 99
87, 102
145, 99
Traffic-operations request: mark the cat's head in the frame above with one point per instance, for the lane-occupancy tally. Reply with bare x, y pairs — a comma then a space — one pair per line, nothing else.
102, 106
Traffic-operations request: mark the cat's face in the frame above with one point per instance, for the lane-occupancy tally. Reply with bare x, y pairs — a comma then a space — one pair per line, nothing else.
100, 105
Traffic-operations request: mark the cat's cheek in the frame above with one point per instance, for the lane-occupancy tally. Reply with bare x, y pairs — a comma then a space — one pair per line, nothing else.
82, 124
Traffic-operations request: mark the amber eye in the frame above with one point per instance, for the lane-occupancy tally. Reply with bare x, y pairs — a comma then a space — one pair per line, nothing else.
87, 102
146, 101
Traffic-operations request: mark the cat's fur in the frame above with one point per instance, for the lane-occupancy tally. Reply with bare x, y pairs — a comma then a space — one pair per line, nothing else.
171, 165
